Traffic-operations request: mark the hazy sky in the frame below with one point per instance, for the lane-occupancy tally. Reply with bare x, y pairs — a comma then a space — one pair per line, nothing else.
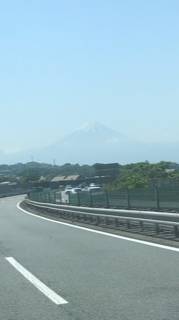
66, 62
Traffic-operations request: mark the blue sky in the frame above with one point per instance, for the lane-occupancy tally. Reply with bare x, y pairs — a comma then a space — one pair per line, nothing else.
67, 62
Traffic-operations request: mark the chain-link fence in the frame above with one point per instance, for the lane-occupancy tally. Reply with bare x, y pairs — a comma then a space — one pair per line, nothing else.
153, 198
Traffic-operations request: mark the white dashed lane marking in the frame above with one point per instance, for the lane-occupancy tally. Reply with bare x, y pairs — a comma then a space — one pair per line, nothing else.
49, 293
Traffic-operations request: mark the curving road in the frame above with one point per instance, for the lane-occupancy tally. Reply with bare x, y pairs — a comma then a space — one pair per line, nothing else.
54, 271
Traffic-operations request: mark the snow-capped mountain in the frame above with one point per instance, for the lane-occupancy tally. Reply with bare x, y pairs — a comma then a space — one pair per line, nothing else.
96, 142
92, 133
89, 144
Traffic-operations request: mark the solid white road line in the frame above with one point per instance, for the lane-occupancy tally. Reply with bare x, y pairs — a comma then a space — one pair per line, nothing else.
147, 243
54, 297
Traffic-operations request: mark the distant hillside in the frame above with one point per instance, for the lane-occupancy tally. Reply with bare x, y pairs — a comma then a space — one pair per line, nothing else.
37, 169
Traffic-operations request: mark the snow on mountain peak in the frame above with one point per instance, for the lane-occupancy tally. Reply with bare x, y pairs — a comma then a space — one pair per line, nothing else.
92, 126
98, 129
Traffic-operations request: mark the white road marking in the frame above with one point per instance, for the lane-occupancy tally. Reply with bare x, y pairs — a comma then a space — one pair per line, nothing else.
147, 243
53, 296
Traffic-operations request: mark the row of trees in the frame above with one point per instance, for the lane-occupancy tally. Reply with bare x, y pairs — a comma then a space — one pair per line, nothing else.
130, 176
144, 174
32, 171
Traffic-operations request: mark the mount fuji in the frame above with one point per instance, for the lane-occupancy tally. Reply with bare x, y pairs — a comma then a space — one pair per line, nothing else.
89, 144
95, 142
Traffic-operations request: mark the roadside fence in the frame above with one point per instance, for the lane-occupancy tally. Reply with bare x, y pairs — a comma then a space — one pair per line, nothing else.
153, 198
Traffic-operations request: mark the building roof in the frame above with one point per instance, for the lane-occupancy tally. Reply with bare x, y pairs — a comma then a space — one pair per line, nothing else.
58, 179
66, 178
73, 177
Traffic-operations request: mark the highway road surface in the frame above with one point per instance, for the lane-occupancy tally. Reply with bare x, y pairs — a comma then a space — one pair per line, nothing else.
52, 271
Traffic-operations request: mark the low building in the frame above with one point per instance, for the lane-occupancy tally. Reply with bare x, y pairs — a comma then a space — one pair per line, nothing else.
64, 180
58, 179
110, 170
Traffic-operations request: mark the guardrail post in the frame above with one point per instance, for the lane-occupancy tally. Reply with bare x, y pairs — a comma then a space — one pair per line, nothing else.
141, 225
157, 228
116, 222
128, 224
106, 221
97, 220
128, 199
157, 196
72, 217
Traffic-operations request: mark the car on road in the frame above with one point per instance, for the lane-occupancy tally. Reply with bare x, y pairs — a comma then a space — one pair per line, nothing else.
73, 190
94, 188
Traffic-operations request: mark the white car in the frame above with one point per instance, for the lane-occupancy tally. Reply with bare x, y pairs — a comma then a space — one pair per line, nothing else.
76, 190
73, 190
94, 188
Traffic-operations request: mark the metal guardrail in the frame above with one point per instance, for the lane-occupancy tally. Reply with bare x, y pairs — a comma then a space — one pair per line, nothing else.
151, 224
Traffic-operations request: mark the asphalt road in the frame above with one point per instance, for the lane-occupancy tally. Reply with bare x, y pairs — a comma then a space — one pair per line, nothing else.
100, 277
